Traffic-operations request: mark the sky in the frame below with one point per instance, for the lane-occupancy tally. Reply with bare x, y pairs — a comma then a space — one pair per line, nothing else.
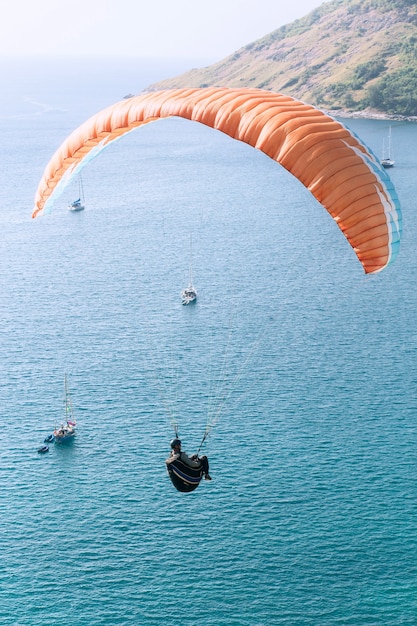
182, 29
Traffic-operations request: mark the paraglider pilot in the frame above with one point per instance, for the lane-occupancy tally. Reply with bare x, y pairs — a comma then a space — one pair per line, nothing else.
193, 461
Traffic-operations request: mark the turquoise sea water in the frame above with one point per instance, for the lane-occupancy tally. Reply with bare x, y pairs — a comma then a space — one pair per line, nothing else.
306, 366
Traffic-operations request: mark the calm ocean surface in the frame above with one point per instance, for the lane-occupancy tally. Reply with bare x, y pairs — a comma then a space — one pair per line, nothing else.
307, 367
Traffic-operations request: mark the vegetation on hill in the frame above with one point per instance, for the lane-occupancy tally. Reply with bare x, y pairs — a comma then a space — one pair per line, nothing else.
347, 54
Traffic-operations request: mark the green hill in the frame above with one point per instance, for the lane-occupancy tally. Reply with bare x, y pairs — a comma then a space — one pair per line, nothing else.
354, 55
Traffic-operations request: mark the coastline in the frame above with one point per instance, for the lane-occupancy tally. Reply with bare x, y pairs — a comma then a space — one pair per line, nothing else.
370, 115
365, 114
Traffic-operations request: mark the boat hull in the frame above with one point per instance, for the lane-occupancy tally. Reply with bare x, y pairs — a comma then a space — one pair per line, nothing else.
64, 438
188, 295
186, 301
64, 434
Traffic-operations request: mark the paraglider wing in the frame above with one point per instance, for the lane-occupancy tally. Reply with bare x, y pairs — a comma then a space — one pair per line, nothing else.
341, 173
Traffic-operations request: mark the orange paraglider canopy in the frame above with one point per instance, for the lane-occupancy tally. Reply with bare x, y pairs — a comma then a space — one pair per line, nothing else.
341, 173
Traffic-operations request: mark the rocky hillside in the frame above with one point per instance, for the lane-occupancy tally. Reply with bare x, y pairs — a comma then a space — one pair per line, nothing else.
354, 55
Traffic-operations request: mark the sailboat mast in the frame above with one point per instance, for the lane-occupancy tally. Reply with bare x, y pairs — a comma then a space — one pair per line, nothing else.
191, 259
389, 143
189, 294
387, 159
68, 406
66, 396
81, 188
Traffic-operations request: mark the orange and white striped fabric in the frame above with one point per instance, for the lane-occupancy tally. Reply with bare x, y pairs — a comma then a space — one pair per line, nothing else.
340, 172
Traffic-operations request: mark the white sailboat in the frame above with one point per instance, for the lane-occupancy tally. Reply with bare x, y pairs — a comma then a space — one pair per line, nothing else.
189, 294
387, 160
67, 429
79, 203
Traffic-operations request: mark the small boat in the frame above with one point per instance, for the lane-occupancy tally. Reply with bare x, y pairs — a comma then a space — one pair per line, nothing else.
43, 449
387, 161
189, 294
183, 477
49, 438
64, 432
78, 204
68, 428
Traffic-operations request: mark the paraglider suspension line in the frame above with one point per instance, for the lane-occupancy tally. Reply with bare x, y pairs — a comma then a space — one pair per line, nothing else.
206, 434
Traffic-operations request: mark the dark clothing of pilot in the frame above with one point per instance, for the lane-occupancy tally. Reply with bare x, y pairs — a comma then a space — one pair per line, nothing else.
193, 461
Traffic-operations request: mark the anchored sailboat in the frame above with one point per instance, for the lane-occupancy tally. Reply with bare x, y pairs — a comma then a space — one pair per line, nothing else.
189, 294
78, 204
67, 429
387, 160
